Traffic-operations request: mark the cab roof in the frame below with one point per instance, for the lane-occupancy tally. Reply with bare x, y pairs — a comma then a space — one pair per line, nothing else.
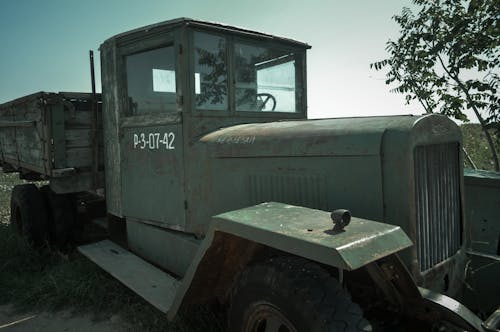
184, 21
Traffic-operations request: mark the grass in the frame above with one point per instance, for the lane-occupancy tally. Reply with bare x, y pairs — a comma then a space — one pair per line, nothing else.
50, 280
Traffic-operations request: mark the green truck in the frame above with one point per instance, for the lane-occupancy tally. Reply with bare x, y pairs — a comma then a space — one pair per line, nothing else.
216, 186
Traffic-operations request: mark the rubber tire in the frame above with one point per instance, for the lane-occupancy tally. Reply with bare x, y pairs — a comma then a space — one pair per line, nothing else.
303, 292
62, 217
27, 202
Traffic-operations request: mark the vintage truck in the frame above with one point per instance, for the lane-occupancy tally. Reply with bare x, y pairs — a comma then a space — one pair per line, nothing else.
217, 187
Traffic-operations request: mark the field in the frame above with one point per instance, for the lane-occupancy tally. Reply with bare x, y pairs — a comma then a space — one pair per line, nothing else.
50, 281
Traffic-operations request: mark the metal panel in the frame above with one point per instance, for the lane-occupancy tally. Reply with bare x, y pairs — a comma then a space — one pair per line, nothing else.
153, 174
303, 190
482, 282
154, 285
308, 233
170, 250
451, 311
322, 137
293, 229
111, 88
437, 185
482, 208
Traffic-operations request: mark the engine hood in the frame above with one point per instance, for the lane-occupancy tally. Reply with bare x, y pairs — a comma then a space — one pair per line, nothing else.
322, 137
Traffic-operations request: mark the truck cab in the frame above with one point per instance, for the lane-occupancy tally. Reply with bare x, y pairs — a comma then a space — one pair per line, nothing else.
168, 84
202, 118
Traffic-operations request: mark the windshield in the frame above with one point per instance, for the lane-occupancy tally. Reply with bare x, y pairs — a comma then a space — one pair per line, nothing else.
210, 67
258, 78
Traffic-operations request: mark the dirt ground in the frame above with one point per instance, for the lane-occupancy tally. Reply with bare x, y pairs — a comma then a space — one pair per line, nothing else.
63, 321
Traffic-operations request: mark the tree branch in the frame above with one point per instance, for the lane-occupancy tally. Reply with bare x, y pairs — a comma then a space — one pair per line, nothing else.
476, 111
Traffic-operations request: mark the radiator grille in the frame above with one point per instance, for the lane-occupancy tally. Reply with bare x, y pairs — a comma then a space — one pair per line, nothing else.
437, 185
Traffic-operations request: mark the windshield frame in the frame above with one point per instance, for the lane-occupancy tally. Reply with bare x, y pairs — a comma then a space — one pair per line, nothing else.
230, 40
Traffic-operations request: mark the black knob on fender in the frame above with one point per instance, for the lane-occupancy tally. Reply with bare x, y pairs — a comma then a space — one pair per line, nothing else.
341, 218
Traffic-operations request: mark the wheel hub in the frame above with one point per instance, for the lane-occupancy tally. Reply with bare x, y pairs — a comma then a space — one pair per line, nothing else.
265, 317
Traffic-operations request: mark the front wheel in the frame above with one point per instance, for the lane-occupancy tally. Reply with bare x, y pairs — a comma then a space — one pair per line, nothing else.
292, 294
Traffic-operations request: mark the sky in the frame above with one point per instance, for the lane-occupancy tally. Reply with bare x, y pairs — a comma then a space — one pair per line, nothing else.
45, 44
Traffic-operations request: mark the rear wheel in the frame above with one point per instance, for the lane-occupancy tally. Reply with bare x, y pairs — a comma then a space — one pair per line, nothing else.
291, 294
62, 217
28, 213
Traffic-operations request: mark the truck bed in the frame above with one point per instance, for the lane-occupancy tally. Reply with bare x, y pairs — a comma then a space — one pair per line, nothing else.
50, 136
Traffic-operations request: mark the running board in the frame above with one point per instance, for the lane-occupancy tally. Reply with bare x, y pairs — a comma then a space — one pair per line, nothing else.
154, 285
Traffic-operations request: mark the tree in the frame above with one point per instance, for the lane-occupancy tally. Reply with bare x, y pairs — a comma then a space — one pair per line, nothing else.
447, 58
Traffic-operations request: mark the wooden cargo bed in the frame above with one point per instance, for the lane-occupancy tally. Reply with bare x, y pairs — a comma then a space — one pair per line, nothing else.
51, 136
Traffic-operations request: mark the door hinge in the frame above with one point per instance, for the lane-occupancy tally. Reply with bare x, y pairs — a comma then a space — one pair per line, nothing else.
180, 48
185, 205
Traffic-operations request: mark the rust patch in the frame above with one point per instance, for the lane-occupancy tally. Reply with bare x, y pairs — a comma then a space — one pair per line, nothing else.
221, 264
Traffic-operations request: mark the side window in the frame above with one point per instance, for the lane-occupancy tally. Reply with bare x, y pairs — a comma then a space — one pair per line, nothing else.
151, 81
210, 72
265, 79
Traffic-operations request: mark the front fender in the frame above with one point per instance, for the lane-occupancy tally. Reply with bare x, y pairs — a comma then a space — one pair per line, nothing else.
309, 233
235, 237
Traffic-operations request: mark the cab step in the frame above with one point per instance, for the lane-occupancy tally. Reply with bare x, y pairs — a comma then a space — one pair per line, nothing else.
155, 286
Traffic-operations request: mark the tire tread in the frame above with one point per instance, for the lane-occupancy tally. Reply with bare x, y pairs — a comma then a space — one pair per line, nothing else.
311, 287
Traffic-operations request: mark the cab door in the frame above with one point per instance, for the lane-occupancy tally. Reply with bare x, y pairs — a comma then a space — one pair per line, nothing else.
152, 167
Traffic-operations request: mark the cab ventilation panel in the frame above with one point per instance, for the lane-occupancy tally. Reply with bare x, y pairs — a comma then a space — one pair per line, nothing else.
437, 185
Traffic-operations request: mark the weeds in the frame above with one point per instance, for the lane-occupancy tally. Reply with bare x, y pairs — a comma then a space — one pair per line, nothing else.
49, 280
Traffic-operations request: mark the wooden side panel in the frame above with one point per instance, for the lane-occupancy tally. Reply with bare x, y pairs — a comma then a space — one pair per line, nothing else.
23, 135
30, 145
78, 135
48, 131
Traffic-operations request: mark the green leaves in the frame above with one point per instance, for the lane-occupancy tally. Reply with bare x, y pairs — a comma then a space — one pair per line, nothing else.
379, 65
447, 58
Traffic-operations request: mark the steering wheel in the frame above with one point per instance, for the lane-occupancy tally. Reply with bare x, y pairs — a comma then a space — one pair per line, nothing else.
263, 99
